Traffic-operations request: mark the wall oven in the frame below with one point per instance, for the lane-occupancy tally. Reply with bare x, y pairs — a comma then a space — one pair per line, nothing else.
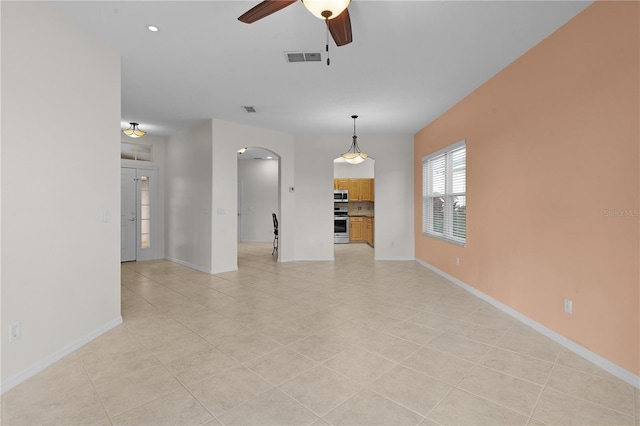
340, 196
340, 225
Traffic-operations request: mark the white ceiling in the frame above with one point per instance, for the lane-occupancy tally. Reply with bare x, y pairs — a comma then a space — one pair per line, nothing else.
409, 62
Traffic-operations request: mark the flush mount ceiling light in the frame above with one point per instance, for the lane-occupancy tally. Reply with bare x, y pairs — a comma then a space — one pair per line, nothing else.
326, 9
133, 131
354, 155
153, 28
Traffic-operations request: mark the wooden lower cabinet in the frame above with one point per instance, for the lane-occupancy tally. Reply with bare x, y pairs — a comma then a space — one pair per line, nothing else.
361, 230
368, 230
356, 229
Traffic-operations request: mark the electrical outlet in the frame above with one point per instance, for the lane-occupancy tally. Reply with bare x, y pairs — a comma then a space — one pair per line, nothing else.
14, 331
568, 306
457, 261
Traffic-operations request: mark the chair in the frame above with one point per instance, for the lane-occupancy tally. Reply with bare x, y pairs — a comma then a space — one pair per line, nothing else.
275, 233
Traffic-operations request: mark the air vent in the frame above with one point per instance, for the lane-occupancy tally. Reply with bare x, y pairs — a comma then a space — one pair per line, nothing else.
249, 109
303, 56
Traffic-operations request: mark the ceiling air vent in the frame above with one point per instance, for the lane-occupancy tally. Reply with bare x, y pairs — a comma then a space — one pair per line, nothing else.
303, 56
249, 109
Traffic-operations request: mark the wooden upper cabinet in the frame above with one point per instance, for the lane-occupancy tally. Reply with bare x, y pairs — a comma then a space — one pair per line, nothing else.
354, 189
341, 184
366, 190
360, 189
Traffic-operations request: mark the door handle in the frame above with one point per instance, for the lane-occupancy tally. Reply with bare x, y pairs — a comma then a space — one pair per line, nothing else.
132, 219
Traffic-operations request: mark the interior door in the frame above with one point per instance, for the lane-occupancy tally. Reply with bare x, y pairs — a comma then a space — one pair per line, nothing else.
128, 215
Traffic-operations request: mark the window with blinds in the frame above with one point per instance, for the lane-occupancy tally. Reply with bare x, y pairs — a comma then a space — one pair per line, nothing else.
444, 194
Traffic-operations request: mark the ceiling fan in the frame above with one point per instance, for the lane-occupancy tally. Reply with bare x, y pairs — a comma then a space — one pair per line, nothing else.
334, 13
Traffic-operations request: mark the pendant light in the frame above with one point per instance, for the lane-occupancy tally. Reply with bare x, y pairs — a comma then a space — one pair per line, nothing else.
326, 9
354, 155
133, 131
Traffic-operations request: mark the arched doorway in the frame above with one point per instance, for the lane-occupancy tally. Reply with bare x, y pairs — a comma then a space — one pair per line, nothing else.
258, 194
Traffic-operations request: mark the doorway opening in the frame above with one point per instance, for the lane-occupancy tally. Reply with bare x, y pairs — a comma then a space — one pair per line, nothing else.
258, 198
354, 206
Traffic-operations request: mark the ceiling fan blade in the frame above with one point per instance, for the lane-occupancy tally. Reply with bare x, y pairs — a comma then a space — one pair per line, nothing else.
264, 9
340, 28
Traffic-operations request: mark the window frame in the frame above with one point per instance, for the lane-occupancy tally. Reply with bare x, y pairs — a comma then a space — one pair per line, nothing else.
448, 195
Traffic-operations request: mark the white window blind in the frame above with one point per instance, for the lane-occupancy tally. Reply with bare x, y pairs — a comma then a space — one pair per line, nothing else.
444, 194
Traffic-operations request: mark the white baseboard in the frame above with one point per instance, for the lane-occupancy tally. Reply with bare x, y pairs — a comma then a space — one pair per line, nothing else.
200, 268
605, 364
220, 271
315, 259
394, 259
20, 377
189, 265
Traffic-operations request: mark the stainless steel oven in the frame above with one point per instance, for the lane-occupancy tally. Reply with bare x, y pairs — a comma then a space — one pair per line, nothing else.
340, 225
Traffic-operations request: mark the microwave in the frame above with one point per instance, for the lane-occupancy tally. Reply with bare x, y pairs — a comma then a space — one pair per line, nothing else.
340, 196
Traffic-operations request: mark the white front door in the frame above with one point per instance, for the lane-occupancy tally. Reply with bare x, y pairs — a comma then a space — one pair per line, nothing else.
128, 214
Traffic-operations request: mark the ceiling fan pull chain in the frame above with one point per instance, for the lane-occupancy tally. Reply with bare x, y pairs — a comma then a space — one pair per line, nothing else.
327, 45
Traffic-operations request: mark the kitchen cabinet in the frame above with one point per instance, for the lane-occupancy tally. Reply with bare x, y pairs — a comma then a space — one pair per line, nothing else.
356, 229
360, 189
368, 230
366, 189
341, 184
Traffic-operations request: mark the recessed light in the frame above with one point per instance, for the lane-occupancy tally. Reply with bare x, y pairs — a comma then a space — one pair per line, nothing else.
269, 158
153, 28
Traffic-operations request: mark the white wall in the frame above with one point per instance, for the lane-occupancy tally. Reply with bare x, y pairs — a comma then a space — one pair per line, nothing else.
60, 188
314, 172
366, 169
306, 213
188, 187
228, 137
259, 182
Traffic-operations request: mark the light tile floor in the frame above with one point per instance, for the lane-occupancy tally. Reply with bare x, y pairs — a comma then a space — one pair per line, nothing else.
350, 342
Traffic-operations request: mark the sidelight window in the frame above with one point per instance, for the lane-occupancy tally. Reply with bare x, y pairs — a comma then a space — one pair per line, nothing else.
145, 212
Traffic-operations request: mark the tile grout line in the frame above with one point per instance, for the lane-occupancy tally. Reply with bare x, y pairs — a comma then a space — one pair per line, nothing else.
478, 362
93, 385
170, 393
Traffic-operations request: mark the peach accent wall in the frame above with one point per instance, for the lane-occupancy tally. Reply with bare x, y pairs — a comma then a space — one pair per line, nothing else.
553, 143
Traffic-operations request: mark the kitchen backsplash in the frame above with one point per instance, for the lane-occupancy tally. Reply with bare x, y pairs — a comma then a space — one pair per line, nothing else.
361, 208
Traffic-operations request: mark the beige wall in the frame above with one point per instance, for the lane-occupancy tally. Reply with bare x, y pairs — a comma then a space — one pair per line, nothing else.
60, 187
552, 162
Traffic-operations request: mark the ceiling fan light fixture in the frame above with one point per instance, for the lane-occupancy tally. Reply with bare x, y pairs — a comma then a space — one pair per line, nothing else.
353, 154
133, 131
326, 9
